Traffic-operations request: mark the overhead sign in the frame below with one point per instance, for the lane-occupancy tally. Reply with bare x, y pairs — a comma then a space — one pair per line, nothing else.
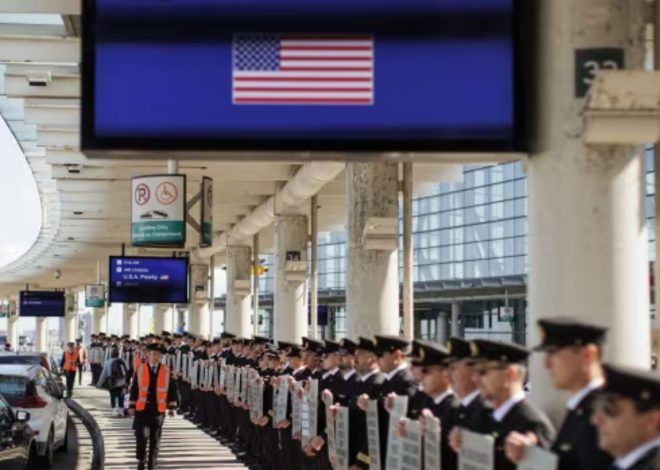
325, 75
148, 280
94, 295
206, 216
41, 304
158, 211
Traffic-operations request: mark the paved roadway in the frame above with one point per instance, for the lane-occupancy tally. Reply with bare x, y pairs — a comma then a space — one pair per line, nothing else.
79, 456
183, 445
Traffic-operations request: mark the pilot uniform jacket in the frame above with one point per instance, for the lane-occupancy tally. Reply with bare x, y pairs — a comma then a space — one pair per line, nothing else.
649, 461
471, 417
357, 434
577, 441
523, 417
346, 388
150, 413
445, 411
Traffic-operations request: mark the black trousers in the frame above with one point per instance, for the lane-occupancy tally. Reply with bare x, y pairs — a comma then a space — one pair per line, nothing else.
148, 431
80, 372
96, 373
70, 380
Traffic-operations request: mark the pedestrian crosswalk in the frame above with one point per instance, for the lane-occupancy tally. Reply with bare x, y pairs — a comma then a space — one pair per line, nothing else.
183, 445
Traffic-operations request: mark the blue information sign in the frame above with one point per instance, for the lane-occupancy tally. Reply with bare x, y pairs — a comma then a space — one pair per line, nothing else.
148, 280
293, 74
41, 304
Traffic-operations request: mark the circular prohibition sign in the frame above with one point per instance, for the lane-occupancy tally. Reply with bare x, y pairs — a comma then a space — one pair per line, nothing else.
142, 194
167, 193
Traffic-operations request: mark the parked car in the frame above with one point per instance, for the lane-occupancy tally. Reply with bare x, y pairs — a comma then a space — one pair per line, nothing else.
43, 359
32, 388
18, 449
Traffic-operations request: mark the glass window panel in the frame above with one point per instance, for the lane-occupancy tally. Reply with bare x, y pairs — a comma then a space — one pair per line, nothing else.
520, 226
496, 174
457, 252
650, 206
520, 246
651, 226
496, 267
650, 183
520, 265
508, 209
649, 159
458, 235
497, 210
458, 270
469, 198
434, 204
480, 177
520, 207
497, 192
468, 179
496, 249
480, 195
518, 169
457, 199
508, 171
445, 236
520, 188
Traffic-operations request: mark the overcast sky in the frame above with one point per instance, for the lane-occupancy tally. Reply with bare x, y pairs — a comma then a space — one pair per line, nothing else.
20, 207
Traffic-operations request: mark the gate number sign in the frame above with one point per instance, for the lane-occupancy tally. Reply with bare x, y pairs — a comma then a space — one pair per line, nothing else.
588, 62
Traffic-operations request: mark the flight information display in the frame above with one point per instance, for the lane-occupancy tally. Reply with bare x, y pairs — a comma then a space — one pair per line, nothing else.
297, 74
41, 304
148, 280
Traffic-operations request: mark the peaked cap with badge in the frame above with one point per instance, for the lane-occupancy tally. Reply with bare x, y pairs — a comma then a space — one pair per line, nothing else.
562, 332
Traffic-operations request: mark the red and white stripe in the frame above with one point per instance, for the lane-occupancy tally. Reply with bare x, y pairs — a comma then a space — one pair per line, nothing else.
313, 70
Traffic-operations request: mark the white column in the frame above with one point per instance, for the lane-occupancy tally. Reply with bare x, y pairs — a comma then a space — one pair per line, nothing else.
443, 327
290, 322
314, 268
163, 318
408, 282
100, 320
238, 311
41, 333
71, 317
12, 325
456, 321
372, 276
130, 320
199, 314
588, 251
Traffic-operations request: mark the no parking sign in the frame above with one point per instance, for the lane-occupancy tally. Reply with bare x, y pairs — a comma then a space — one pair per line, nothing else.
158, 211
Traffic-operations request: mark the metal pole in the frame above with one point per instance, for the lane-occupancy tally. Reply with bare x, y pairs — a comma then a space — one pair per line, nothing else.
408, 301
211, 294
172, 166
255, 283
655, 347
314, 288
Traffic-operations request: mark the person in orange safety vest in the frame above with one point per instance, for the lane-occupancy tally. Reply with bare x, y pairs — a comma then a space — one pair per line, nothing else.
69, 365
152, 394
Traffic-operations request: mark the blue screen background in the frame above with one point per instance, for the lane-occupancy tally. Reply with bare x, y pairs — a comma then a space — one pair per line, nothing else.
171, 290
429, 86
41, 304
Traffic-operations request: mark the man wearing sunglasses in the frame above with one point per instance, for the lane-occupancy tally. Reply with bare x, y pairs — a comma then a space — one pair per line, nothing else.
627, 417
502, 368
464, 381
573, 359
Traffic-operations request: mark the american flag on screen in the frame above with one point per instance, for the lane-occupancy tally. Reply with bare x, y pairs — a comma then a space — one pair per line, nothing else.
274, 69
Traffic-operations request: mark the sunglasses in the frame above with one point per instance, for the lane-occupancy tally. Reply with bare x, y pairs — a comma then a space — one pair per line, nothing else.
608, 404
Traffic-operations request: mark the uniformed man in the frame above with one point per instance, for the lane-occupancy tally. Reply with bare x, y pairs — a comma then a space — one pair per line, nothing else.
573, 359
152, 395
627, 418
502, 369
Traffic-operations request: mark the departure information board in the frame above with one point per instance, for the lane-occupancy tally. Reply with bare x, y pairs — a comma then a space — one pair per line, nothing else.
148, 280
41, 304
383, 75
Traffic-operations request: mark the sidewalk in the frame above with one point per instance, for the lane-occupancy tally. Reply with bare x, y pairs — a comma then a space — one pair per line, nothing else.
183, 446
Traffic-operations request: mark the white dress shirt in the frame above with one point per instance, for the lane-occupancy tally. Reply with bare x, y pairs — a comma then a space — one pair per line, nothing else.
575, 400
469, 398
396, 371
503, 409
632, 457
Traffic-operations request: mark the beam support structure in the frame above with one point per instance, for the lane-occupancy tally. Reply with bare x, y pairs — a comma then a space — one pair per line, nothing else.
408, 268
588, 245
255, 285
314, 268
238, 309
656, 174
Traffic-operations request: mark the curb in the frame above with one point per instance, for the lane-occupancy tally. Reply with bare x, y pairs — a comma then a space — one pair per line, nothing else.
98, 445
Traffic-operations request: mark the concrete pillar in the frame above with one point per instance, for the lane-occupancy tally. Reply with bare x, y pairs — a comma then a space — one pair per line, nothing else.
238, 312
163, 318
199, 315
372, 276
12, 325
41, 335
290, 295
443, 327
100, 320
588, 251
70, 317
130, 320
457, 328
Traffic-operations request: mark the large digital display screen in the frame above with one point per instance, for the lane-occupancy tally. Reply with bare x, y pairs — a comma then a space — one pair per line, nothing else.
41, 304
148, 280
386, 75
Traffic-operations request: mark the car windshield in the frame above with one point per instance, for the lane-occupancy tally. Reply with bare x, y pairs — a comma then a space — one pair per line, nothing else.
20, 359
14, 388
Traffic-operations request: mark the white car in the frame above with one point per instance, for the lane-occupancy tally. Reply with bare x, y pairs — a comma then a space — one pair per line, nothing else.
31, 388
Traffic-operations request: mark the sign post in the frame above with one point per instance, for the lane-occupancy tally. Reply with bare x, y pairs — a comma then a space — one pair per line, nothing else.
206, 216
158, 211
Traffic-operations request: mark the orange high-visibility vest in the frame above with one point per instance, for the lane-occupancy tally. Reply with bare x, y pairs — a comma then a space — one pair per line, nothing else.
137, 362
70, 358
162, 386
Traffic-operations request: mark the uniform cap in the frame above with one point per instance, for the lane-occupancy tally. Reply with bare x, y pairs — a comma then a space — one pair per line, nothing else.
458, 348
565, 332
313, 345
227, 335
155, 347
497, 351
348, 346
261, 340
166, 333
366, 344
640, 386
389, 343
330, 347
430, 354
414, 348
294, 352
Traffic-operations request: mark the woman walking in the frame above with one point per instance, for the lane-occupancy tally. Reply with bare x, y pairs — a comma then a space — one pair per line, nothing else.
114, 378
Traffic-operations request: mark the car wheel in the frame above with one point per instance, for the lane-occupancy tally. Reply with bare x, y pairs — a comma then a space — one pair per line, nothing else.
65, 443
47, 458
32, 457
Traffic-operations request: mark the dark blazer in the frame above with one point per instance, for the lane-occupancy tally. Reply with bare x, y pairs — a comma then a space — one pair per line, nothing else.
650, 461
358, 440
147, 416
473, 416
523, 417
577, 441
346, 389
445, 410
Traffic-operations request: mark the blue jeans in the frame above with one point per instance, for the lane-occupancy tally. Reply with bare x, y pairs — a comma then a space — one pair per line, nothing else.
117, 396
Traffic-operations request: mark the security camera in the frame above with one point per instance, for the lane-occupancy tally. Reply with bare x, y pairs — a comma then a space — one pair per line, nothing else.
42, 79
57, 274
